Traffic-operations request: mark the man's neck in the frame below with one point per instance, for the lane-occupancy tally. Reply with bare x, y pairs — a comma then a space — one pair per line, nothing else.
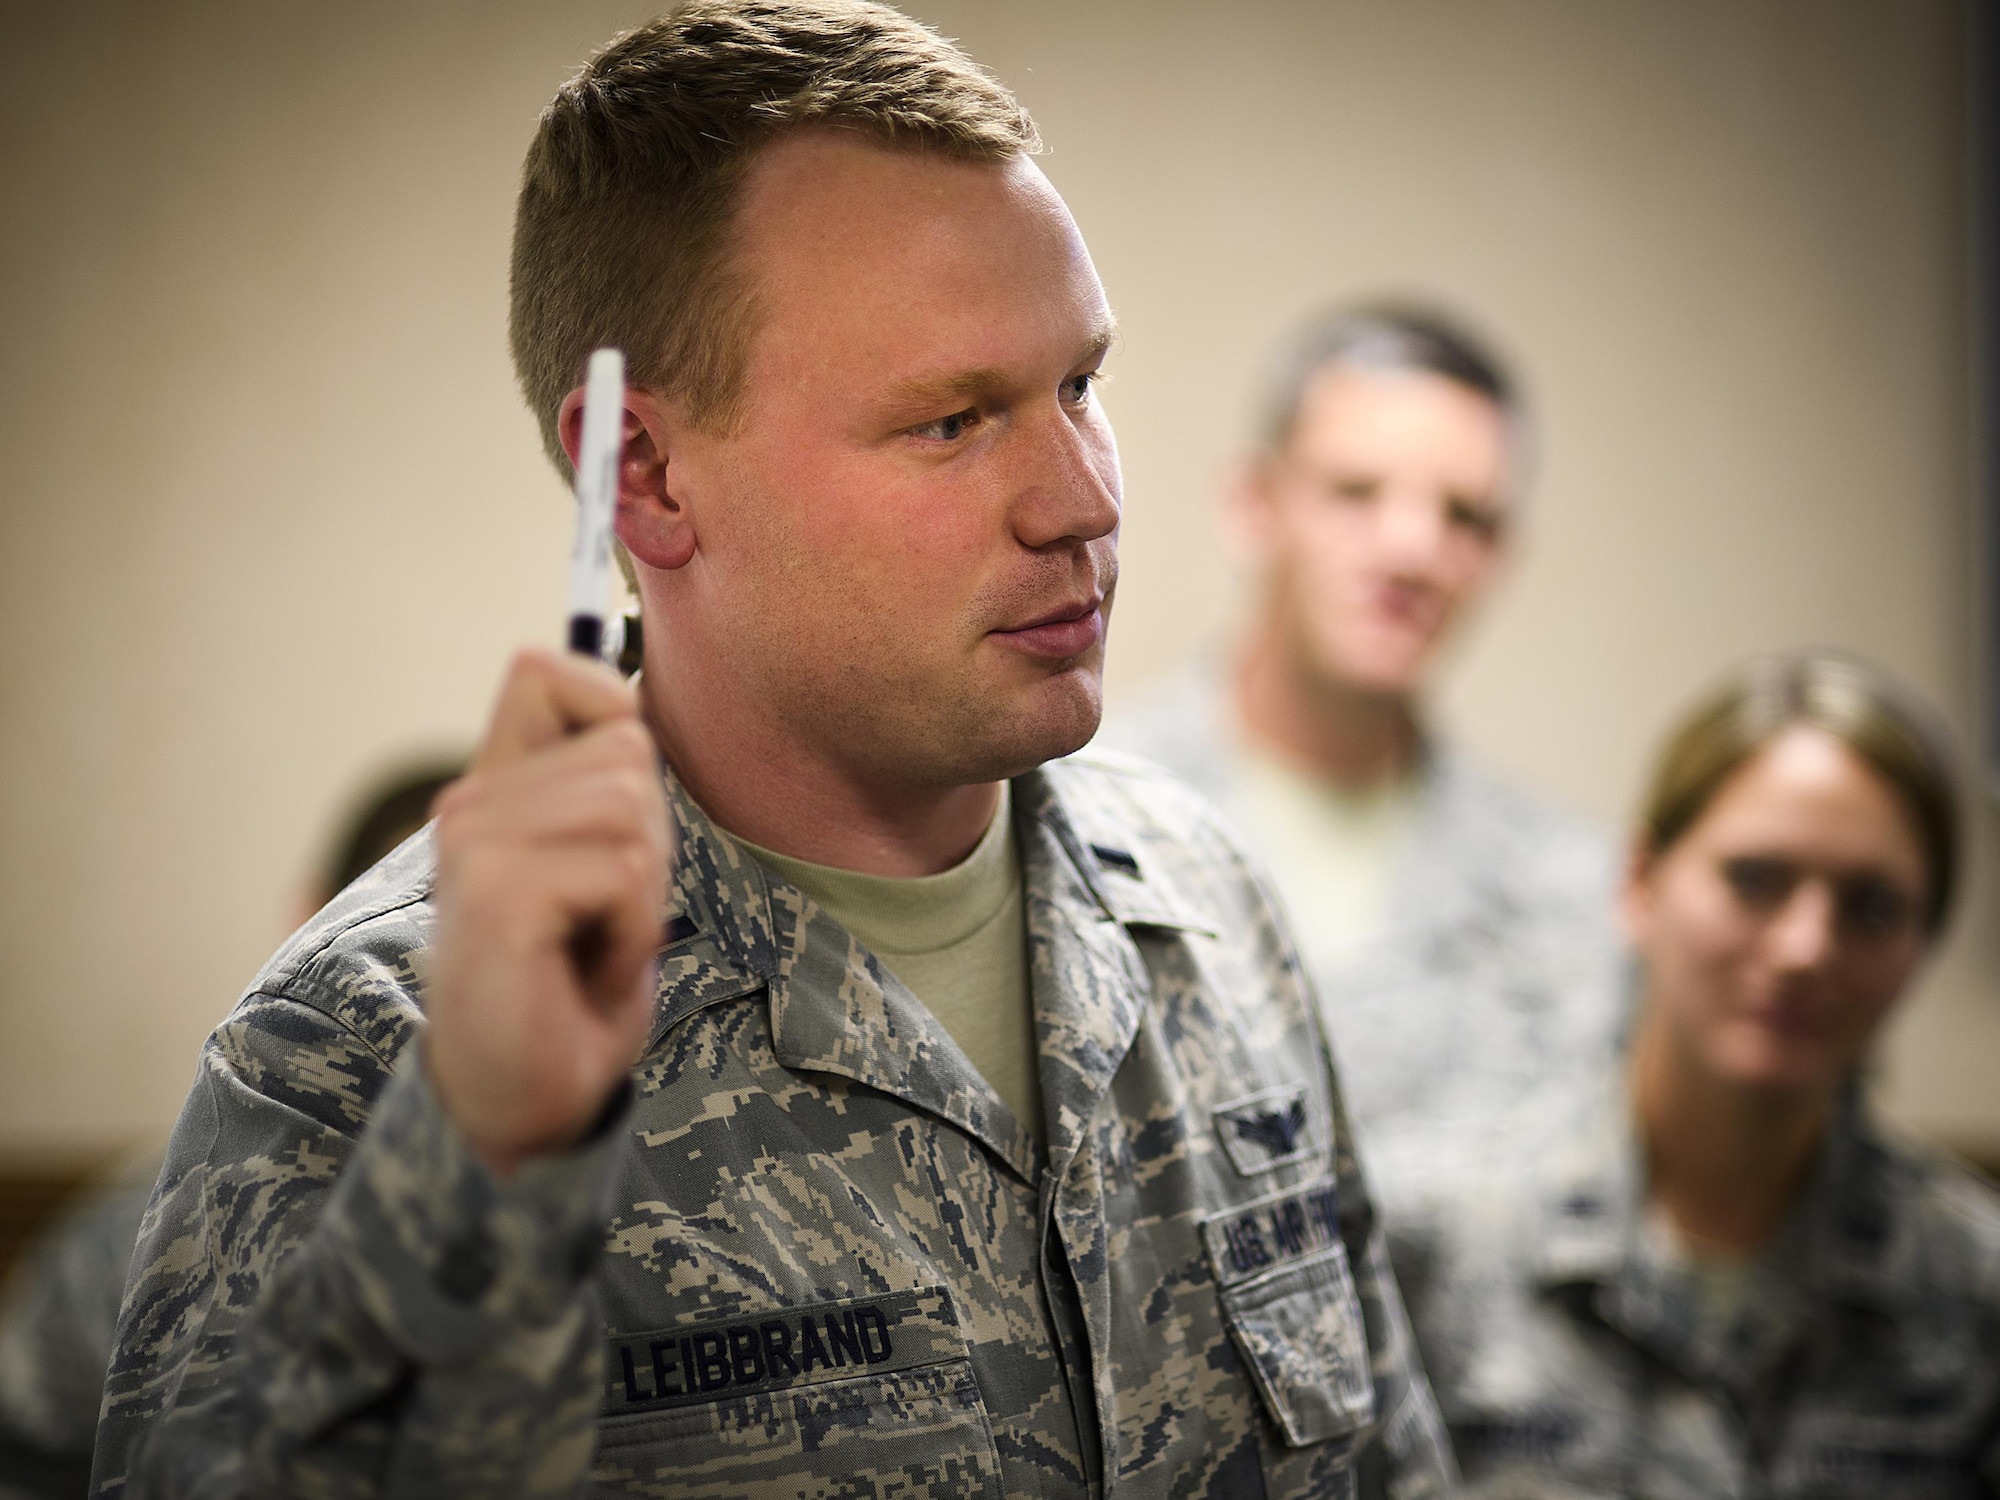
1355, 739
1725, 1163
758, 782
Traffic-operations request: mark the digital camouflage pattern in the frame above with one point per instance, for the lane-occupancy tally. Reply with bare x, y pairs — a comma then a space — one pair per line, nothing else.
1577, 1353
1497, 969
814, 1254
1497, 966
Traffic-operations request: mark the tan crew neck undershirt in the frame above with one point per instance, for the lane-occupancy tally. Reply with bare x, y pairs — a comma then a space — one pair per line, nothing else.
1723, 1278
958, 940
1332, 852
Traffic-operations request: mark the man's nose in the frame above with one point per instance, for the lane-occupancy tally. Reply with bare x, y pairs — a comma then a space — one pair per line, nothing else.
1802, 934
1411, 529
1068, 488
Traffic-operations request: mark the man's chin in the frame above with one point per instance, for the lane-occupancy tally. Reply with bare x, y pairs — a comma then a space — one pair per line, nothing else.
1385, 673
1032, 726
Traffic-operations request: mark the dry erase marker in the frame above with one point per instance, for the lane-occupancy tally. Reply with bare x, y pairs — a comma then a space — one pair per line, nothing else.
596, 500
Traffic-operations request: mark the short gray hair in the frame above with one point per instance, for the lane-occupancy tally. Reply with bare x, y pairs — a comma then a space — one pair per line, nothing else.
1394, 336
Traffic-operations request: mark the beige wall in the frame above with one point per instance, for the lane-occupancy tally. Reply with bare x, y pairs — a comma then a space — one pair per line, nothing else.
273, 512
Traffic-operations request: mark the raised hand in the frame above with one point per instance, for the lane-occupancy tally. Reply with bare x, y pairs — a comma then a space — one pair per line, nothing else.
552, 868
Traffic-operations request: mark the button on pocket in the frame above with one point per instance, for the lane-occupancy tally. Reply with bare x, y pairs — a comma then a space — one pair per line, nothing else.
1289, 1298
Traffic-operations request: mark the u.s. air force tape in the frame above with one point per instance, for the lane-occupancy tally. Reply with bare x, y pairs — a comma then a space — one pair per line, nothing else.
752, 1352
1272, 1231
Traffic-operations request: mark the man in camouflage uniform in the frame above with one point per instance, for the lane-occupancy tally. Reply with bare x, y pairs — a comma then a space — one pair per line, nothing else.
1458, 931
1494, 967
425, 1229
1579, 1353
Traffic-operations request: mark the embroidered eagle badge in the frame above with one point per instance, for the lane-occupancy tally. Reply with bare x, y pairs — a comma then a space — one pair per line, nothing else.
1276, 1133
1266, 1130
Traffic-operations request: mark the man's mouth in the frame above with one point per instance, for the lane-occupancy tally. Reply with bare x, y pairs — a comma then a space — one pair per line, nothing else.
1065, 631
1405, 608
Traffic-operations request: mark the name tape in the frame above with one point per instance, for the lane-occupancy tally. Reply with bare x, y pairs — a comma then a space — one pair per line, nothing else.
787, 1346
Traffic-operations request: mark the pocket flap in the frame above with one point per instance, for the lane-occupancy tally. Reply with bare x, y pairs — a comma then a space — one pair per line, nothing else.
1289, 1297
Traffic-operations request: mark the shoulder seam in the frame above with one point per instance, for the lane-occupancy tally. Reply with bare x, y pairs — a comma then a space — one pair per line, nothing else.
314, 1003
367, 915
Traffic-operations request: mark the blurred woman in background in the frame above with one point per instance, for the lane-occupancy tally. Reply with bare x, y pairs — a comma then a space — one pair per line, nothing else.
1717, 1274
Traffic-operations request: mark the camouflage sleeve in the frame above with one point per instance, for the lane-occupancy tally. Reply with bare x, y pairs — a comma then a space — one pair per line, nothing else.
1414, 1453
332, 1296
1410, 1458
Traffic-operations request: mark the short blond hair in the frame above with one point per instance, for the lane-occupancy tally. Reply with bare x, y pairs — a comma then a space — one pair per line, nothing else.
622, 226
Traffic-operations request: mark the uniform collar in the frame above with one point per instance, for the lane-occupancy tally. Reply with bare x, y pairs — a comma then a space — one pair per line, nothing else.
720, 941
1861, 1251
1594, 1243
1087, 878
733, 928
1842, 1243
1592, 1190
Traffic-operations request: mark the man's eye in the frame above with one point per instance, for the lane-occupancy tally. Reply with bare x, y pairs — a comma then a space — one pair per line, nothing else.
1473, 518
1759, 883
1352, 487
1076, 389
948, 429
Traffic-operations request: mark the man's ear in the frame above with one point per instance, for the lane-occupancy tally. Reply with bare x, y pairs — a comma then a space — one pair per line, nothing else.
653, 521
1247, 512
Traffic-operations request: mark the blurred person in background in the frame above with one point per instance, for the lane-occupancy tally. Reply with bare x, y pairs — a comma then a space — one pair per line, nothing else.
1458, 932
1712, 1271
59, 1308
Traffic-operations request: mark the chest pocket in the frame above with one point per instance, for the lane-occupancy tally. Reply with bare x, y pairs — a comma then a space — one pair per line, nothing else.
799, 1402
1289, 1297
